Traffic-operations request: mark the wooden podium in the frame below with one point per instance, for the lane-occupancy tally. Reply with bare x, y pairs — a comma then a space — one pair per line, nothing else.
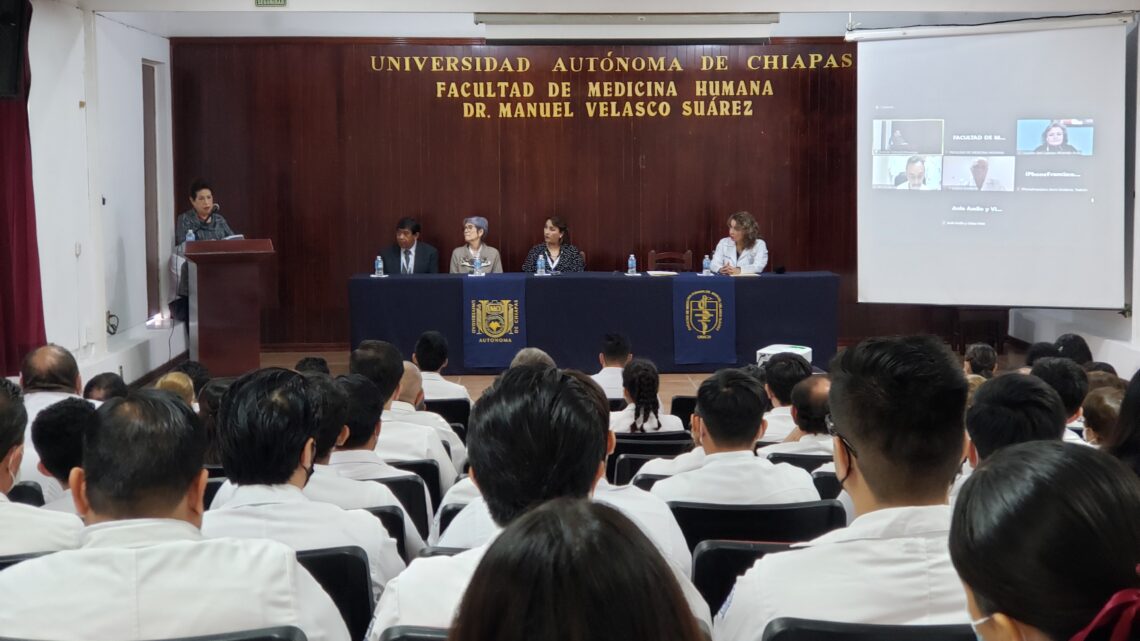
227, 290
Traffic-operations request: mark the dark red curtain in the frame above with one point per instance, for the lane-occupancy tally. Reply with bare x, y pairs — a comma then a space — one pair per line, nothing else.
21, 304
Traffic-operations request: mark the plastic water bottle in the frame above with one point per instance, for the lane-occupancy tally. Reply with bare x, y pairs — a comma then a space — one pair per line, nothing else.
378, 267
632, 265
706, 265
476, 266
191, 236
541, 265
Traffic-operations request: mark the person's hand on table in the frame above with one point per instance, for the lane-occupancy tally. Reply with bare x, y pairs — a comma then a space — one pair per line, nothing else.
729, 270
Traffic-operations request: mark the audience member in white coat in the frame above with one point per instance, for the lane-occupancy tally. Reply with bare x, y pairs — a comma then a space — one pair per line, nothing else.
615, 355
382, 364
409, 397
144, 571
430, 355
266, 429
730, 419
1072, 385
640, 382
57, 434
809, 413
781, 373
538, 433
572, 569
898, 407
1075, 579
48, 375
25, 529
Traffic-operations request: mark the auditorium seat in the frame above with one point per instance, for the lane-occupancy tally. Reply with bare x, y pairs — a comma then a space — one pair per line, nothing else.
666, 444
28, 493
791, 629
440, 551
343, 573
9, 560
413, 633
453, 410
409, 491
426, 469
447, 514
627, 465
788, 522
461, 431
683, 407
717, 564
212, 487
215, 471
671, 261
617, 404
827, 484
646, 481
392, 518
808, 462
280, 633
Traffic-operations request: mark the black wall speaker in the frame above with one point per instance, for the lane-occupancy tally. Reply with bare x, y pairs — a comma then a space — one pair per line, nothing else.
12, 20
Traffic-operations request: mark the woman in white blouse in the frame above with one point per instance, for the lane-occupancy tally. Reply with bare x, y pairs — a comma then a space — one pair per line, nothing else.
743, 252
639, 381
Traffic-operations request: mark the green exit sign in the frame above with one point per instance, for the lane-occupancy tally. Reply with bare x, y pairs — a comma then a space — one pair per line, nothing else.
269, 3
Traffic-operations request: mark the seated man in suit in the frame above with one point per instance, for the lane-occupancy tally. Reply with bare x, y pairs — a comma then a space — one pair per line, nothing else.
409, 255
809, 413
898, 406
144, 571
536, 434
330, 402
266, 431
729, 417
57, 434
781, 373
381, 363
430, 356
404, 409
25, 529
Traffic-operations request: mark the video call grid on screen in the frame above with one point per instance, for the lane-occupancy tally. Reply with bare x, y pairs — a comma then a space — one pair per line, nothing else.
1005, 177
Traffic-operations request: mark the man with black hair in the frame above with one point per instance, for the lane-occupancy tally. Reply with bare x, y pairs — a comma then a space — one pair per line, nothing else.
430, 355
267, 425
409, 255
48, 375
730, 420
809, 411
1072, 384
104, 387
1038, 351
1074, 347
897, 411
980, 359
144, 570
326, 485
782, 372
616, 353
536, 434
57, 434
381, 363
312, 364
25, 529
404, 408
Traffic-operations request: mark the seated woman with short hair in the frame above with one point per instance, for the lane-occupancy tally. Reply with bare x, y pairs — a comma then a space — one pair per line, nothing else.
640, 382
475, 249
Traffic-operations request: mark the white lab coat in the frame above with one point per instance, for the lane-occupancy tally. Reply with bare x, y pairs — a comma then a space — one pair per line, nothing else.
622, 422
65, 503
401, 441
364, 465
25, 529
814, 444
159, 578
780, 425
283, 513
750, 261
891, 566
407, 413
326, 486
609, 379
437, 388
34, 403
738, 478
690, 460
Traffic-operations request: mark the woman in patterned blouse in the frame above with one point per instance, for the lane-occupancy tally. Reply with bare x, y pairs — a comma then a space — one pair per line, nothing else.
560, 256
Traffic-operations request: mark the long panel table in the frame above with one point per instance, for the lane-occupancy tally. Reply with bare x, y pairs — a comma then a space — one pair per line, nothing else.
568, 314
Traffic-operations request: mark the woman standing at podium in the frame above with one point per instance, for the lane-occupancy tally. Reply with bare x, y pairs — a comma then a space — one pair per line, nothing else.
560, 255
201, 222
463, 258
743, 252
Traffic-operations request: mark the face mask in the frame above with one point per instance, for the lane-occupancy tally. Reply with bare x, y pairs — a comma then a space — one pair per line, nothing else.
976, 624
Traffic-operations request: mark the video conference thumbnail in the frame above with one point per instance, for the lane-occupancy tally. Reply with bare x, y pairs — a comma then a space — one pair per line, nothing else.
907, 172
908, 137
979, 173
1060, 136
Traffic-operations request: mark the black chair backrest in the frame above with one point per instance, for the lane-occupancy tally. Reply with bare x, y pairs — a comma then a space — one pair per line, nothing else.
343, 573
453, 410
617, 404
426, 469
409, 491
12, 559
28, 493
440, 551
281, 633
717, 564
654, 444
447, 514
446, 446
413, 633
646, 481
392, 518
790, 629
215, 471
827, 484
788, 522
212, 487
461, 431
803, 461
683, 407
627, 465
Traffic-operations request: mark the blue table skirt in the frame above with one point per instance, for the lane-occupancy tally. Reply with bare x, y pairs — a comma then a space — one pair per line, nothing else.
568, 314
